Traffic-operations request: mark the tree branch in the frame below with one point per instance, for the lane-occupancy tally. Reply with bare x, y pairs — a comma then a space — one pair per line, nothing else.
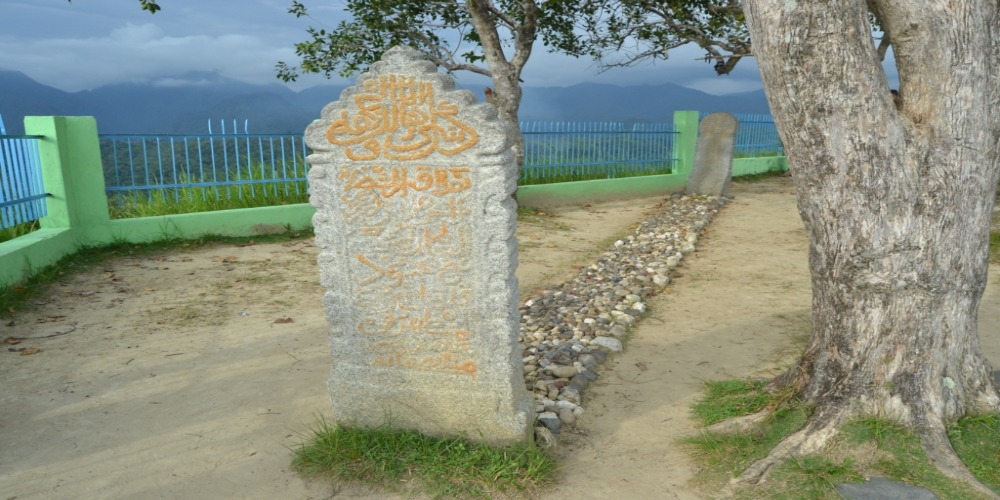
883, 46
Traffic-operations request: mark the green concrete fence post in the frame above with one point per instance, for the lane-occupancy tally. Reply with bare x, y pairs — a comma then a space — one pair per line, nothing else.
72, 173
686, 125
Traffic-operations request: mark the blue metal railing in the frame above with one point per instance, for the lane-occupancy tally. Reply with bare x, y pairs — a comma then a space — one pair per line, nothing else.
22, 193
166, 166
757, 136
558, 150
219, 166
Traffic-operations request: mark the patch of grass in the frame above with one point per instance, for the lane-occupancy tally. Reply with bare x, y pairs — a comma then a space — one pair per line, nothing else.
814, 477
19, 296
264, 191
977, 441
902, 458
726, 399
450, 468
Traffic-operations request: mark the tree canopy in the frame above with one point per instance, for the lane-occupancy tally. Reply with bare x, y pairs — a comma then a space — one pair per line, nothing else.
445, 31
621, 33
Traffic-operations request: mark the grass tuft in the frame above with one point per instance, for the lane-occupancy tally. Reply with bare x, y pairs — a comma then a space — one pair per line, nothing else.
9, 233
405, 459
726, 399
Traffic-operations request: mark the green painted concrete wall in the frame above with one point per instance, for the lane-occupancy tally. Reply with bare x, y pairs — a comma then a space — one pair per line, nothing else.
241, 222
576, 193
762, 165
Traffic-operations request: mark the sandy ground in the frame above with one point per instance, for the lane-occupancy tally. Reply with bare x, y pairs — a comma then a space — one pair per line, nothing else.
189, 374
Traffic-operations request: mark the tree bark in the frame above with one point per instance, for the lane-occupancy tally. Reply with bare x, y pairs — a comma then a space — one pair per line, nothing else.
506, 73
897, 203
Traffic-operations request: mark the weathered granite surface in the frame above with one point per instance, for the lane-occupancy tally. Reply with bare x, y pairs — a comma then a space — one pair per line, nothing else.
878, 488
412, 183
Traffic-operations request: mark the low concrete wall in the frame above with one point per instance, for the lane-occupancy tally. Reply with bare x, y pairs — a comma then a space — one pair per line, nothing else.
240, 222
24, 256
761, 165
577, 193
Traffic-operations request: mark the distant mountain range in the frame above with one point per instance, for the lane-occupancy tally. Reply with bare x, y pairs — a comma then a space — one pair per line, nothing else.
147, 108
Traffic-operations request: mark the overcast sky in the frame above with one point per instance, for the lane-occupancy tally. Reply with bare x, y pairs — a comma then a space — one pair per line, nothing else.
89, 43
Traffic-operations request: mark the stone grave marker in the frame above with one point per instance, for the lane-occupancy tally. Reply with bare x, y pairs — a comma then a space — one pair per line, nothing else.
412, 184
713, 158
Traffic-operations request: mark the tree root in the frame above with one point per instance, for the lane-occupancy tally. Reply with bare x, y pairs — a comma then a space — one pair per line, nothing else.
810, 439
821, 429
742, 424
942, 456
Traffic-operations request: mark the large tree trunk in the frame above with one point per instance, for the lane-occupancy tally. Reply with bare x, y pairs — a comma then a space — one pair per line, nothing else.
897, 203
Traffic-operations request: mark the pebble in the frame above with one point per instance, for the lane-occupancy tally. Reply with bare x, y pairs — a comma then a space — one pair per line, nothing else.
568, 331
611, 344
550, 420
559, 371
566, 416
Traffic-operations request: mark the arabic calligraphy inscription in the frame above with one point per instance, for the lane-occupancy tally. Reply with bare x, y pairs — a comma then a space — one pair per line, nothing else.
416, 259
398, 118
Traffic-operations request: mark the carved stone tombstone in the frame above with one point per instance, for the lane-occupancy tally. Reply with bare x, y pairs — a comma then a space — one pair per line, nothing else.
412, 185
713, 158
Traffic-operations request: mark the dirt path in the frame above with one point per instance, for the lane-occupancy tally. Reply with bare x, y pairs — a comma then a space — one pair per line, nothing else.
734, 310
187, 375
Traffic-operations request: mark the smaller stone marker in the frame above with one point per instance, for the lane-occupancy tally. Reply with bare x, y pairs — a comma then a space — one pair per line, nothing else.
713, 158
412, 185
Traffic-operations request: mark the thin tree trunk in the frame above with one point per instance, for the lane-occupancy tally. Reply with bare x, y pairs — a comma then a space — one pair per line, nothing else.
897, 203
506, 73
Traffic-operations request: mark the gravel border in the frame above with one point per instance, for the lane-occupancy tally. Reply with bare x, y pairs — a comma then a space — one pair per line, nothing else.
568, 331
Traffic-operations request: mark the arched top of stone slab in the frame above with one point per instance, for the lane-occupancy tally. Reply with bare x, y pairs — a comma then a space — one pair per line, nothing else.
719, 123
403, 110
